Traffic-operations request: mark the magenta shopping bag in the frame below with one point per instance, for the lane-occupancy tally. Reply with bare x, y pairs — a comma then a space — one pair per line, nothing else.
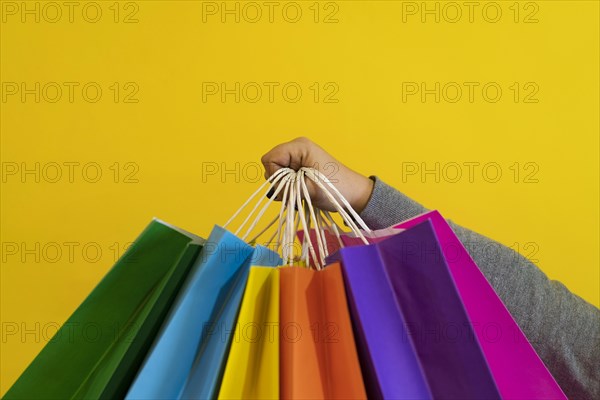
404, 303
516, 367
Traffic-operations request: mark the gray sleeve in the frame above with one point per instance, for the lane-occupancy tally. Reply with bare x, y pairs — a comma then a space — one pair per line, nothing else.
562, 327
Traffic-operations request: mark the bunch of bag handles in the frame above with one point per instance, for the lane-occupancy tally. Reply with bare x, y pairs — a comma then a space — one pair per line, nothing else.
297, 209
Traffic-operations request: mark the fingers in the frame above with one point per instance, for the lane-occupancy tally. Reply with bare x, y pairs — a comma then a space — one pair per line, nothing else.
291, 154
274, 160
300, 152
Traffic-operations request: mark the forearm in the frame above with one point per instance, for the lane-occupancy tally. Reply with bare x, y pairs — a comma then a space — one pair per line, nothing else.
562, 327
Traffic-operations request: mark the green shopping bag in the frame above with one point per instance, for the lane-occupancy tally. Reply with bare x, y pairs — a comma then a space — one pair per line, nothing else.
98, 351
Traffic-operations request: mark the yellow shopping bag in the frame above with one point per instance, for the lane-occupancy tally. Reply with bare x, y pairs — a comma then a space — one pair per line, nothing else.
252, 370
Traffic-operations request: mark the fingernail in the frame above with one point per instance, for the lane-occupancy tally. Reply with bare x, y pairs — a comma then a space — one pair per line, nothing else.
271, 193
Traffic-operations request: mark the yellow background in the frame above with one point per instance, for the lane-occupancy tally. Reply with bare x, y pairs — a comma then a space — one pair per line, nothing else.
170, 134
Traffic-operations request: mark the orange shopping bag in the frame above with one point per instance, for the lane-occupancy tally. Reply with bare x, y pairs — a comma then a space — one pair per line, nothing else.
317, 349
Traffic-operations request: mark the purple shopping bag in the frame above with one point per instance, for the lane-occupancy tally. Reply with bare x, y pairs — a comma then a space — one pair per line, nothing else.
516, 367
403, 302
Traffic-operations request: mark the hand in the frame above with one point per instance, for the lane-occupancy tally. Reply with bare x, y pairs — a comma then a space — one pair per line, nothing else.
302, 152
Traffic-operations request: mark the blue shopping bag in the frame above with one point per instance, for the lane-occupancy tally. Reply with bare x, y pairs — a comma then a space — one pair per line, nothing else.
188, 356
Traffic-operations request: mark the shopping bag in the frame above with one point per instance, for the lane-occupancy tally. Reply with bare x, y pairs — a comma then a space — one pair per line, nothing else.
318, 352
188, 356
98, 350
407, 311
252, 370
517, 369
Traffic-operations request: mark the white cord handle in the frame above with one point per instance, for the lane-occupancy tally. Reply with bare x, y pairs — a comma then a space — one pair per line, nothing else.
316, 177
269, 182
293, 213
